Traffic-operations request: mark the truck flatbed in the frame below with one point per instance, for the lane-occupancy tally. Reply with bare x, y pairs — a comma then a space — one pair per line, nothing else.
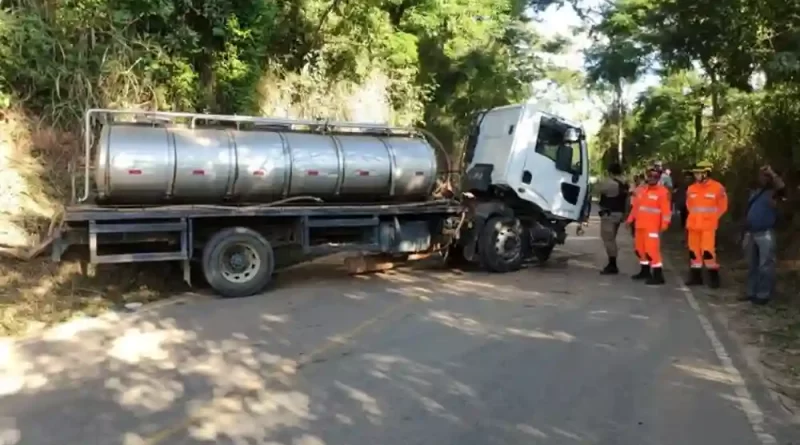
93, 212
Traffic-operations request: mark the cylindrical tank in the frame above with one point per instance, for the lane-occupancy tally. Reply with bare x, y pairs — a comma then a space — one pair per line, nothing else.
152, 164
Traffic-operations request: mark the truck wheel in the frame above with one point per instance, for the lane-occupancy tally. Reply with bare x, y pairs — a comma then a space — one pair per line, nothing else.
500, 245
238, 262
543, 253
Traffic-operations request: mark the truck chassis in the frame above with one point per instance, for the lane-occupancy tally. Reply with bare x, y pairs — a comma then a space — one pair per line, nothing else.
271, 236
239, 247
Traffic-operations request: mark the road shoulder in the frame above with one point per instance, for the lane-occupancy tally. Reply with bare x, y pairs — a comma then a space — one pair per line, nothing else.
766, 338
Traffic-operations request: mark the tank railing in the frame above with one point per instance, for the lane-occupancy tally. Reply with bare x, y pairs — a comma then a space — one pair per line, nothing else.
326, 125
172, 116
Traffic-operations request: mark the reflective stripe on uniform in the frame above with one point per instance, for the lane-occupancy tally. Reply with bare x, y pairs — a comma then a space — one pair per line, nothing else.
703, 209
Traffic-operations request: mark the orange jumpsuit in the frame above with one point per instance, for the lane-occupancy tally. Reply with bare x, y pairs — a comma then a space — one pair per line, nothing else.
706, 202
652, 212
636, 192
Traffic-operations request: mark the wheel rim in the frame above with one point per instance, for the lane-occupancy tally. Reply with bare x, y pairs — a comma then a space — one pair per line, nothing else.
507, 244
240, 263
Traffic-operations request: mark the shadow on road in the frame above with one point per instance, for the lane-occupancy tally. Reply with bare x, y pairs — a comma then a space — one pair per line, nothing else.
327, 359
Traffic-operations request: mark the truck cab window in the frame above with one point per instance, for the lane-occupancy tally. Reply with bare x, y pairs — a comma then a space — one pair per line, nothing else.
551, 138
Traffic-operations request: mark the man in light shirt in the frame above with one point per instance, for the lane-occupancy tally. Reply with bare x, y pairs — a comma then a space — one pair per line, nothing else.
666, 175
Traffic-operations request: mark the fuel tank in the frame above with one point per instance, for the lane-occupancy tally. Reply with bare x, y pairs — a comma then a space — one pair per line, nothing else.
147, 164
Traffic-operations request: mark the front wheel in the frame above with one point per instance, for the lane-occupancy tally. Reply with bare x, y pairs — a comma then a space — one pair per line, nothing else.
238, 262
500, 245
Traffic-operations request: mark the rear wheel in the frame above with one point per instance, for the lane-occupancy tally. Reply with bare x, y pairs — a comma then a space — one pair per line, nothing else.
238, 262
500, 245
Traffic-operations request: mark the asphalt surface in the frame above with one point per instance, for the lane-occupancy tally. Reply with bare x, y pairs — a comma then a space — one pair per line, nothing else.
551, 355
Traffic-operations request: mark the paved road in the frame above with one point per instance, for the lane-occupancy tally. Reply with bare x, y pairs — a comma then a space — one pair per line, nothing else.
554, 355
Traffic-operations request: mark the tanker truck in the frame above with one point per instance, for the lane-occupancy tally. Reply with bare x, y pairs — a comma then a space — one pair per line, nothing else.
240, 196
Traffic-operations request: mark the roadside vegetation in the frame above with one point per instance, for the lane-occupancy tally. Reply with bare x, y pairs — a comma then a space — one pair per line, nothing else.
729, 93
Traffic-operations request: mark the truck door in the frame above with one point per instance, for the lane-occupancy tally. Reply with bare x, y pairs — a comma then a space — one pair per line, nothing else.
556, 168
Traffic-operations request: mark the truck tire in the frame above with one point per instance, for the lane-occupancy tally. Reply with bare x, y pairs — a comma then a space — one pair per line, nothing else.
238, 262
500, 245
543, 253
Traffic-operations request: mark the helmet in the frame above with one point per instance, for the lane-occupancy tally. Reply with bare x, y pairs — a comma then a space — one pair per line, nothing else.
703, 167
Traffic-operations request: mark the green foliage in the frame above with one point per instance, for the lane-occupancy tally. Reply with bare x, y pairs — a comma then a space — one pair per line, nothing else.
706, 106
445, 59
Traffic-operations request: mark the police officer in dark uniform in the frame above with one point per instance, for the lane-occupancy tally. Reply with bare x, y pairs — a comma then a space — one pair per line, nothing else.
613, 204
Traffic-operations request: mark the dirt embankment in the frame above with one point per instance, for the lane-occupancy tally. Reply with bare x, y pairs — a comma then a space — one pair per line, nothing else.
34, 187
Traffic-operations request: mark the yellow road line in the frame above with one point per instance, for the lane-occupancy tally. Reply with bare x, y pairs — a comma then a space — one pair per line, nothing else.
289, 367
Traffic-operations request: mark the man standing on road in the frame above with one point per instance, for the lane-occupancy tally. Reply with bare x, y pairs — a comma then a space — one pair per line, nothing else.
652, 213
707, 201
613, 202
759, 236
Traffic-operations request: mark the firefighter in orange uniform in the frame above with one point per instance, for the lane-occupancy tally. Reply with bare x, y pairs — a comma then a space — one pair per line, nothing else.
652, 214
706, 201
641, 185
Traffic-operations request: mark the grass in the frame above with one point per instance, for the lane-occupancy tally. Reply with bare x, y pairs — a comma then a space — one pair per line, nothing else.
39, 293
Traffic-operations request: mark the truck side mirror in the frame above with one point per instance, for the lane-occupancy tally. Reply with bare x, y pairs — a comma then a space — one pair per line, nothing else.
564, 158
571, 136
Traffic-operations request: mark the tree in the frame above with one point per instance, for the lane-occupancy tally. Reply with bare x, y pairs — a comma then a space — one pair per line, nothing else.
615, 65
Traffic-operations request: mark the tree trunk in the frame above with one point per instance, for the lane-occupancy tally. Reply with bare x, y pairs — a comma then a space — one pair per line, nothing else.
620, 121
698, 123
207, 83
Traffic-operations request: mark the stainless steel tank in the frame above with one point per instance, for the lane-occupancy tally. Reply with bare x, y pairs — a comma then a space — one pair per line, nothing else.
152, 164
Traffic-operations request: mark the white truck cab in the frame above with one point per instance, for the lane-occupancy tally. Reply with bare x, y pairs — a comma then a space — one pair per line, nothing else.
540, 157
527, 172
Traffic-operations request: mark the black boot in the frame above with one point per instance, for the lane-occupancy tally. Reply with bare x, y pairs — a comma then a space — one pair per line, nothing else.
643, 274
656, 277
695, 277
713, 279
611, 267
